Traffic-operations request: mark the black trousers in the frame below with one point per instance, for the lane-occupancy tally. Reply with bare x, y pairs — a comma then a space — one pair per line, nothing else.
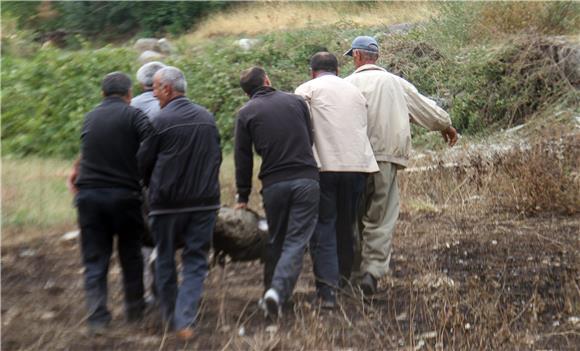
104, 213
292, 211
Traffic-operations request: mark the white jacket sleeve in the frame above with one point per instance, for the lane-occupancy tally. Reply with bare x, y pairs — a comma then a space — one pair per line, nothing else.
423, 110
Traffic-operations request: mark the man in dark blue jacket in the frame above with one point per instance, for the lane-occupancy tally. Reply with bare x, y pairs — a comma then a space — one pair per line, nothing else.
180, 164
278, 125
108, 198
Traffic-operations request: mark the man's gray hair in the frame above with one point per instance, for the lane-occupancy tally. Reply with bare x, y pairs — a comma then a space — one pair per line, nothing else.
368, 55
173, 77
147, 71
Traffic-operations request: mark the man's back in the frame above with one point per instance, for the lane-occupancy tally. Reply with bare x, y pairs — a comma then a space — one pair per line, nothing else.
279, 126
147, 103
182, 159
110, 138
339, 118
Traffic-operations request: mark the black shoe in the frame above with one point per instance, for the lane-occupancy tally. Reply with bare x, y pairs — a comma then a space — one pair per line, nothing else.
368, 284
327, 298
97, 329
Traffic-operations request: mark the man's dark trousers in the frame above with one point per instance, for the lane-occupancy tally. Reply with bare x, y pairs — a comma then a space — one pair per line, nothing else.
332, 245
292, 211
102, 213
194, 230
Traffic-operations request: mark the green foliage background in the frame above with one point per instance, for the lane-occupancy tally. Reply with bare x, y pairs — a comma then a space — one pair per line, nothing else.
46, 92
110, 19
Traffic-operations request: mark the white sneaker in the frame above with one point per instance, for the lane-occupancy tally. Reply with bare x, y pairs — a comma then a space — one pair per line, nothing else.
262, 306
272, 302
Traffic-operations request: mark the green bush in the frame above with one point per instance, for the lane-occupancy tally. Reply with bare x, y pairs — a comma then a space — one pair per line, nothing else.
110, 19
45, 97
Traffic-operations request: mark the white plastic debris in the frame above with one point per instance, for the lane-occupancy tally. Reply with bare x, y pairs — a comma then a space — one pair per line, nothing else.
574, 320
242, 331
420, 345
272, 329
428, 335
494, 242
27, 253
402, 317
72, 235
467, 326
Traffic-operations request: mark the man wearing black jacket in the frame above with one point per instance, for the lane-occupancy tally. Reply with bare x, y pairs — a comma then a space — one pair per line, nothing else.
180, 165
108, 198
278, 125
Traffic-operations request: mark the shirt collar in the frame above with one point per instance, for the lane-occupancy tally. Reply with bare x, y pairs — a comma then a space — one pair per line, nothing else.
261, 91
369, 67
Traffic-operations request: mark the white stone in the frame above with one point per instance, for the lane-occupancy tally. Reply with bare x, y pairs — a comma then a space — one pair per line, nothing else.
148, 56
246, 44
165, 46
146, 44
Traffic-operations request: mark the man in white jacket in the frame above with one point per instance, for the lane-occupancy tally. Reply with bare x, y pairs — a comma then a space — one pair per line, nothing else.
392, 104
345, 157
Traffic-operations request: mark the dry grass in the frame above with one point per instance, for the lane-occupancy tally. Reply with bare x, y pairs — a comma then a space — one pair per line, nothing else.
265, 17
537, 176
470, 270
35, 199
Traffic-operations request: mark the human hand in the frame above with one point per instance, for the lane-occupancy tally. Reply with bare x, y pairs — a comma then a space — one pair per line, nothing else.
450, 136
241, 206
70, 181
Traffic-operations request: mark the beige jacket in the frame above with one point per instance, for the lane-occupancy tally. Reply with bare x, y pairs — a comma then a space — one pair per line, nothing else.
392, 103
339, 119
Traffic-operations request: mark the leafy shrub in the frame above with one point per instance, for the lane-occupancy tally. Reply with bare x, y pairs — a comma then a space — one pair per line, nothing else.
110, 19
464, 23
44, 98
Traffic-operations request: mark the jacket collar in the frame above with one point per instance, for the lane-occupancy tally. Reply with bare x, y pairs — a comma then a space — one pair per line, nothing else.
176, 99
261, 91
369, 67
113, 98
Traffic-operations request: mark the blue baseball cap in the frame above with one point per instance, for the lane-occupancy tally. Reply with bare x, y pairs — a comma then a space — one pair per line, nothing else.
364, 43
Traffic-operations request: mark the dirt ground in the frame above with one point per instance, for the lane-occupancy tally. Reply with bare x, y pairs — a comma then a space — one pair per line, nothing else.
493, 281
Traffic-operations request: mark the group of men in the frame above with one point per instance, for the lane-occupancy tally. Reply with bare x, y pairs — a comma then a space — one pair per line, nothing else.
330, 155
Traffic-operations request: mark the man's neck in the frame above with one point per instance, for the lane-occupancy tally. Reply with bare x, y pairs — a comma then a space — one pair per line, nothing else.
322, 73
366, 62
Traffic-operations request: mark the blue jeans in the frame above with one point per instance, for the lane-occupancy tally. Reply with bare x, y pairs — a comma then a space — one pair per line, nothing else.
292, 211
194, 230
102, 213
332, 245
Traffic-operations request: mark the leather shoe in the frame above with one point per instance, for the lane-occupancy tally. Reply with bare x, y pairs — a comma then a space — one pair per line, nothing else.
368, 284
185, 334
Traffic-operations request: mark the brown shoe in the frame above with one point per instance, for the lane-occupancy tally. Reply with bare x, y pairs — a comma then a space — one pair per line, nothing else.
185, 334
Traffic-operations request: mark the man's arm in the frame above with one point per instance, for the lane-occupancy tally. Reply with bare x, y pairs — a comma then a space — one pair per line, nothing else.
72, 177
147, 157
427, 114
244, 161
308, 120
142, 125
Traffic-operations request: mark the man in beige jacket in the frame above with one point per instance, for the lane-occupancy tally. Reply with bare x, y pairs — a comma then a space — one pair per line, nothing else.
392, 104
344, 155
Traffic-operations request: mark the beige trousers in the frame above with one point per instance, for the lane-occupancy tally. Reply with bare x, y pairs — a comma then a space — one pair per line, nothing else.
378, 215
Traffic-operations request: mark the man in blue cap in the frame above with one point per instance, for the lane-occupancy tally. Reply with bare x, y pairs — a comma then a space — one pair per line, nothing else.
392, 103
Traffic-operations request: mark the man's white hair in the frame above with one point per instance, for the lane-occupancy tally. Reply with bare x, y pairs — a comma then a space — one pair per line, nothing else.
147, 71
368, 55
173, 77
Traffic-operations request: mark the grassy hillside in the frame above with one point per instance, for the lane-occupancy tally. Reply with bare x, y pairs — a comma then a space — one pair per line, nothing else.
486, 70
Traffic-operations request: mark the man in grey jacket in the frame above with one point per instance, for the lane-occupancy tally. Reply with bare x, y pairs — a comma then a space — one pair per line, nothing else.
146, 101
392, 104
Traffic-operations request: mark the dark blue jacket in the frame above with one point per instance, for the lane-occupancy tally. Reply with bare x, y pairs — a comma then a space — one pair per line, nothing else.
279, 127
180, 162
110, 138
